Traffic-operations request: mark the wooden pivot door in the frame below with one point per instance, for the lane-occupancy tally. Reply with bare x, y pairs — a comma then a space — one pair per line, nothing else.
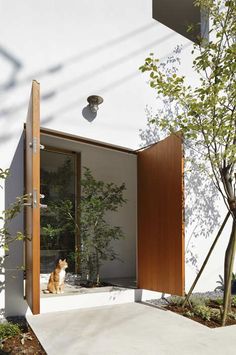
32, 210
160, 217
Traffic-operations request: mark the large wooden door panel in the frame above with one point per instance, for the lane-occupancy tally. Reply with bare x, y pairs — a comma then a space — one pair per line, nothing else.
32, 184
160, 217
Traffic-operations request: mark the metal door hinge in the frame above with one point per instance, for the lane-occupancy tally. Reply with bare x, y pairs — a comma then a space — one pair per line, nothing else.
42, 196
35, 198
34, 145
28, 204
43, 206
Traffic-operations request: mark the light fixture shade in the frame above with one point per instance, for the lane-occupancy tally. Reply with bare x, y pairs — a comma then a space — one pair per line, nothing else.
94, 101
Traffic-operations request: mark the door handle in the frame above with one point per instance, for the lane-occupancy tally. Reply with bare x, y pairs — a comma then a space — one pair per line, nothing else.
34, 202
29, 204
43, 206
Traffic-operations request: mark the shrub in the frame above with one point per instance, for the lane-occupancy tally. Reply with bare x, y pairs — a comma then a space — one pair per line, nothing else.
188, 314
215, 314
203, 311
198, 301
8, 330
219, 301
233, 302
232, 315
176, 300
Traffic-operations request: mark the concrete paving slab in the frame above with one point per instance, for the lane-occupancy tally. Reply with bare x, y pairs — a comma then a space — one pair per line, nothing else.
129, 329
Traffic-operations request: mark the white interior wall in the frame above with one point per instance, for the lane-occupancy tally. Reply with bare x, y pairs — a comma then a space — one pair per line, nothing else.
118, 167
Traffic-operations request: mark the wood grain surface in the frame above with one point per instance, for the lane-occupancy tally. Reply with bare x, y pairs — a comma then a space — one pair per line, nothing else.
32, 186
160, 217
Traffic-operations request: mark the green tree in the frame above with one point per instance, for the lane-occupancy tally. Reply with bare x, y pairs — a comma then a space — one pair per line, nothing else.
207, 111
7, 216
98, 198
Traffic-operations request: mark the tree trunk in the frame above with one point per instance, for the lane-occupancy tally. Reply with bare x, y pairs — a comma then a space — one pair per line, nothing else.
228, 269
89, 269
97, 269
98, 280
227, 180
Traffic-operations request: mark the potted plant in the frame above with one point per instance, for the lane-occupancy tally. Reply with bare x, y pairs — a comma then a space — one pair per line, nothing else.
221, 284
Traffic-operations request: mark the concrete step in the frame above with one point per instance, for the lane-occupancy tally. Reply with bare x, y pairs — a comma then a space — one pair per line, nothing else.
86, 298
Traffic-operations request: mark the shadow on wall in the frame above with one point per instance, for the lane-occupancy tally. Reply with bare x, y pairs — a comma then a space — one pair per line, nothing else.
12, 82
15, 67
88, 114
68, 85
121, 81
16, 64
14, 260
201, 213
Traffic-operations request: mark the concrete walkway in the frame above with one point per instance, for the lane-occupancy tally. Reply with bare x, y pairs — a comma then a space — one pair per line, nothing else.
129, 329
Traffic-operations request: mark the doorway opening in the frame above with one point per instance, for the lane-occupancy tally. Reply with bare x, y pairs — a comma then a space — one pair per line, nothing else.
63, 163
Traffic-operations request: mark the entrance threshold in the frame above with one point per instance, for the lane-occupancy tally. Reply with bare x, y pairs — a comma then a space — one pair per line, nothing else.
119, 290
88, 298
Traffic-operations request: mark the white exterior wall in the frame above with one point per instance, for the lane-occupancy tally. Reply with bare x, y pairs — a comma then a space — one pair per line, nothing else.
13, 284
75, 49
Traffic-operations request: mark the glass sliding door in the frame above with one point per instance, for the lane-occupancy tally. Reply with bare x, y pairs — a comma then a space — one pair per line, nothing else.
59, 187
